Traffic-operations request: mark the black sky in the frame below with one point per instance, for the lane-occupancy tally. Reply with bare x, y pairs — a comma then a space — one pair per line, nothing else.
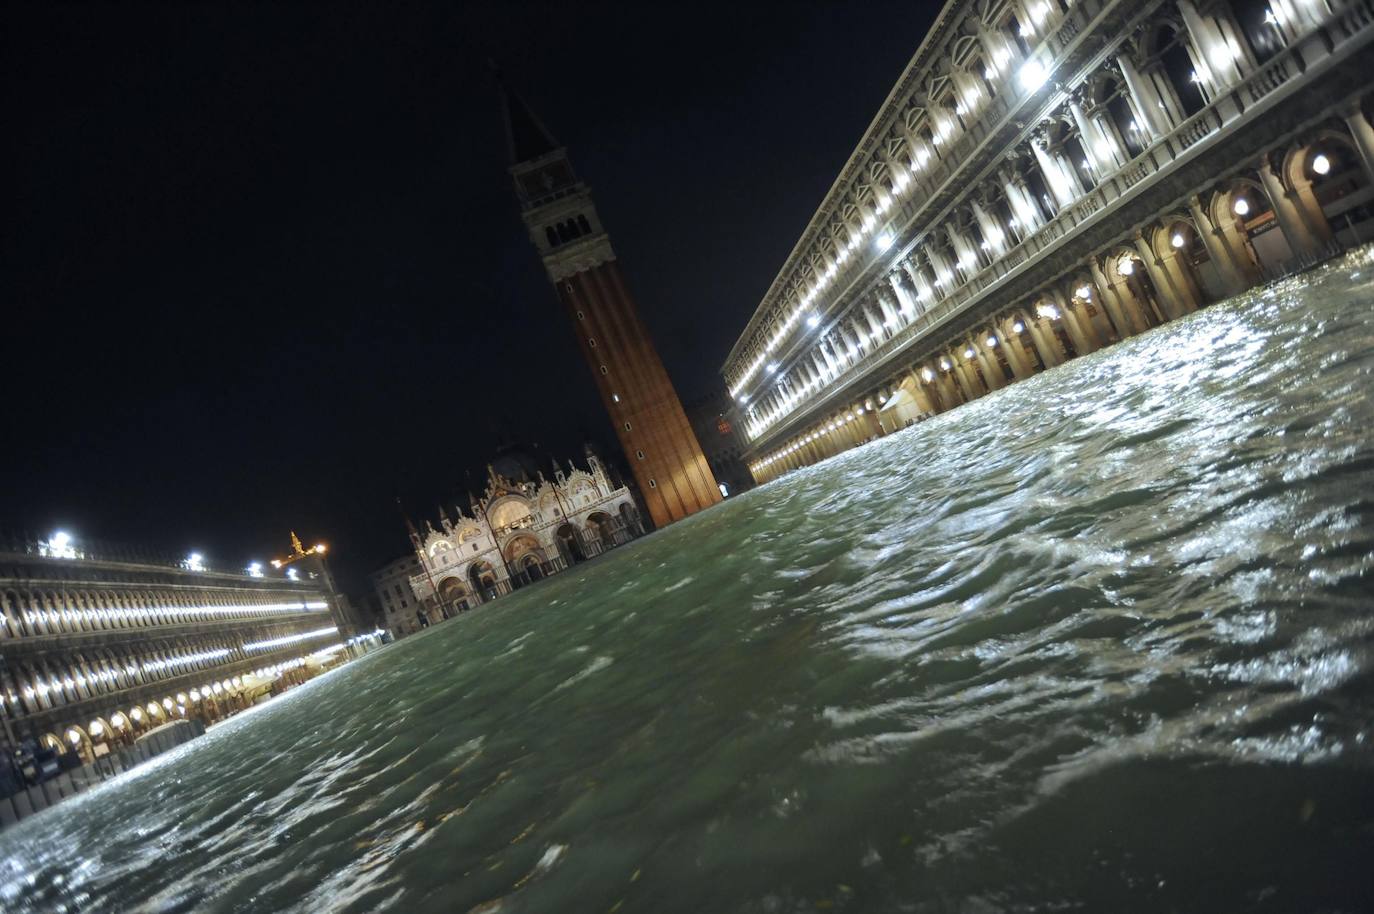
263, 268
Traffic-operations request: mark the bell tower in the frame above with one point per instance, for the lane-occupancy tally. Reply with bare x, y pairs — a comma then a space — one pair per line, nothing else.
659, 445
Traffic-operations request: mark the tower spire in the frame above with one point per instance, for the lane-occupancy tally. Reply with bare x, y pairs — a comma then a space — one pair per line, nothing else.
557, 208
526, 136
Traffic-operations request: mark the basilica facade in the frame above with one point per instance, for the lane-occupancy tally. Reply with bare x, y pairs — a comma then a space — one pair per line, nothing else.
522, 528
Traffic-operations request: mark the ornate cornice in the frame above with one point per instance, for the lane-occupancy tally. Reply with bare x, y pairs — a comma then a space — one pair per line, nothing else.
578, 257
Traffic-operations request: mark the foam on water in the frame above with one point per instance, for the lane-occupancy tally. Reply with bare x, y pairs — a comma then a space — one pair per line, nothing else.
1100, 641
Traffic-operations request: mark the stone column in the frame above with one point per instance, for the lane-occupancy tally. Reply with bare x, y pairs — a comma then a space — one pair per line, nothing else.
967, 386
1027, 214
1125, 318
1232, 277
1163, 287
946, 385
922, 396
992, 233
1147, 101
964, 252
992, 371
891, 314
1212, 61
1301, 238
1091, 331
877, 331
1363, 134
1054, 177
1010, 342
1081, 341
1089, 139
1180, 273
1116, 152
1047, 345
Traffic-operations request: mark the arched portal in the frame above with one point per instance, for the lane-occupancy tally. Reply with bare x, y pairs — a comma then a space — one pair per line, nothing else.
523, 552
531, 566
1247, 219
453, 597
79, 741
1130, 282
483, 580
1186, 263
1330, 187
600, 523
629, 518
570, 544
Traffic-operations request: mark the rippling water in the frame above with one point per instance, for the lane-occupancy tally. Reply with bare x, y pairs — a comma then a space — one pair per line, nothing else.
1098, 642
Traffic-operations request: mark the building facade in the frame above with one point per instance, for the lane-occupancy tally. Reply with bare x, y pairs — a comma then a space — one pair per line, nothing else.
99, 647
715, 421
1048, 177
403, 613
523, 528
671, 472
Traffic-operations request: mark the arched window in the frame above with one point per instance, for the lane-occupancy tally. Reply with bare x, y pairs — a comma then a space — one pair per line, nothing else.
584, 225
551, 235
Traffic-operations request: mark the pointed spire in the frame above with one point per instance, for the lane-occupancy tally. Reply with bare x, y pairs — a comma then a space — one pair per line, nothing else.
410, 528
526, 136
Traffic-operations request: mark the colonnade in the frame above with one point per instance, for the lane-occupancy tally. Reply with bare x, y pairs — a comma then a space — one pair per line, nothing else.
1282, 212
1166, 86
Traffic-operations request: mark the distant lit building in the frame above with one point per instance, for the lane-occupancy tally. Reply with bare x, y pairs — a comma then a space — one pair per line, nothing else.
524, 527
403, 613
100, 645
715, 421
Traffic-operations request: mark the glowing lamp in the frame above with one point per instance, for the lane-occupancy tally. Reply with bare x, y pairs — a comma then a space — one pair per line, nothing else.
1032, 75
1241, 206
992, 341
1321, 164
968, 352
1018, 327
1178, 240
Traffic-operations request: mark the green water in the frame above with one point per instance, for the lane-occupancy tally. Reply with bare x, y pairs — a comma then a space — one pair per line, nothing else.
1098, 642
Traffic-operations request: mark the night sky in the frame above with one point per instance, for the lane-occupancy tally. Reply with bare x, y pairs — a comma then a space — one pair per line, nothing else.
263, 267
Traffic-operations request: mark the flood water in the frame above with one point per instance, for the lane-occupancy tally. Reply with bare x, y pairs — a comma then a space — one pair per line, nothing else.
1101, 641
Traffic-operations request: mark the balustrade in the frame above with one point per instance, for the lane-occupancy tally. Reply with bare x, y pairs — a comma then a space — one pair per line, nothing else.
961, 290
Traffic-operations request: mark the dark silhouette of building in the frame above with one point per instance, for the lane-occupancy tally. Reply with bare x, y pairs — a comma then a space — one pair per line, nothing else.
715, 420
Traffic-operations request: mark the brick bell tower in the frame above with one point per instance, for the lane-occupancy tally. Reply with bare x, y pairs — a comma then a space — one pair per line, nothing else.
674, 478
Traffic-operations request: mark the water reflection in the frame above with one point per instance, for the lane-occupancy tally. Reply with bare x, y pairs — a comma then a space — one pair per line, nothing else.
1098, 641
